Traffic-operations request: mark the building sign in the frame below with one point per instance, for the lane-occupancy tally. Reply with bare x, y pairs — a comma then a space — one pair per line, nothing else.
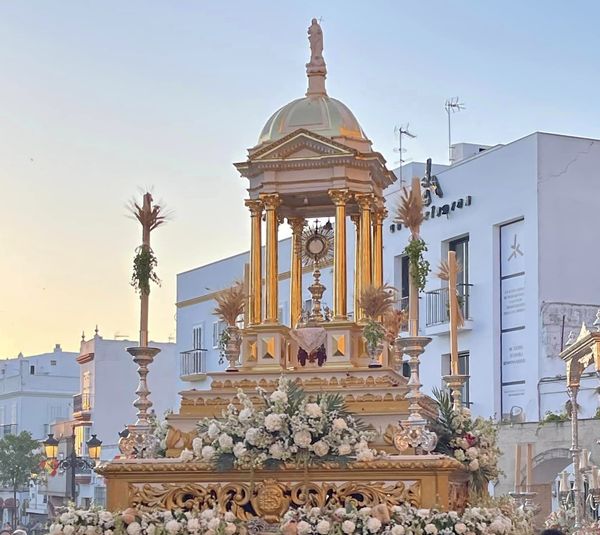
516, 387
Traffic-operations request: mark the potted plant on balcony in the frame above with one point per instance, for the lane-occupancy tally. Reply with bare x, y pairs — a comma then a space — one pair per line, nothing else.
230, 305
375, 302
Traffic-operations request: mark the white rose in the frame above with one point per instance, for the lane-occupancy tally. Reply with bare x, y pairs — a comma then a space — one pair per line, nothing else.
133, 529
398, 530
302, 438
276, 450
303, 527
321, 448
226, 442
55, 529
245, 415
345, 449
313, 410
279, 397
431, 529
172, 526
252, 436
339, 424
273, 422
68, 530
474, 465
460, 455
213, 430
110, 531
365, 455
214, 523
105, 517
348, 527
193, 524
197, 446
186, 456
208, 452
472, 453
229, 516
364, 512
373, 524
91, 530
460, 528
239, 449
323, 527
230, 528
65, 518
207, 514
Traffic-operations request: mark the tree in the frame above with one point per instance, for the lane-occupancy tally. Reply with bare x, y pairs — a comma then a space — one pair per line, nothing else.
19, 458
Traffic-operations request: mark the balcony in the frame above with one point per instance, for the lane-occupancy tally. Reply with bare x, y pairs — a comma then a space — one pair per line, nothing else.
82, 405
192, 365
438, 311
8, 429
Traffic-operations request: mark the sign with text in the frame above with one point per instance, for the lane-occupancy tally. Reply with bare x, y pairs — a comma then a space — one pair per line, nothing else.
514, 366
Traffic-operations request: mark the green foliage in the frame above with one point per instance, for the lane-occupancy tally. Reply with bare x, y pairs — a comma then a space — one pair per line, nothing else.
374, 333
445, 425
19, 458
597, 414
144, 265
419, 267
555, 418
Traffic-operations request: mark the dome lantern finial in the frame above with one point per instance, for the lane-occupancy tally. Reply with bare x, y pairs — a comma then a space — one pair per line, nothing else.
315, 68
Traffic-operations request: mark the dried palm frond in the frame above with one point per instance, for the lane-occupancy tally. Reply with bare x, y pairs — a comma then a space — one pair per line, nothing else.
410, 209
375, 301
150, 217
230, 303
393, 322
444, 270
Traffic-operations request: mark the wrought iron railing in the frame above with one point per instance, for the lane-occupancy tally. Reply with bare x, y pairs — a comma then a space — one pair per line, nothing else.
437, 309
192, 362
82, 402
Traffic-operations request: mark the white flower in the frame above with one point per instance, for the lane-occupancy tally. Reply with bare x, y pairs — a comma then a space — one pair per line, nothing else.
65, 518
133, 529
364, 512
55, 529
460, 455
68, 530
186, 455
214, 523
207, 514
474, 465
302, 438
213, 430
90, 530
193, 524
230, 528
323, 527
105, 517
472, 453
208, 452
226, 442
245, 415
252, 436
348, 527
110, 531
364, 455
313, 410
172, 526
460, 528
303, 527
197, 446
239, 449
276, 450
229, 516
278, 397
398, 530
431, 529
274, 422
345, 449
321, 448
339, 424
373, 524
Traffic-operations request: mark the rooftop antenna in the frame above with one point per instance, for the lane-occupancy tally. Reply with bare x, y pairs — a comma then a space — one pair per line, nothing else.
452, 105
402, 131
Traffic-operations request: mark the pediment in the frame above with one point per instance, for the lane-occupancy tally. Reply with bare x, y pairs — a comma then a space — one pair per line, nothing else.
301, 145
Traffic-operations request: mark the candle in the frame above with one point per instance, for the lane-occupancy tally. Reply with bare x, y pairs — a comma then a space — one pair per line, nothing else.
584, 460
595, 477
564, 482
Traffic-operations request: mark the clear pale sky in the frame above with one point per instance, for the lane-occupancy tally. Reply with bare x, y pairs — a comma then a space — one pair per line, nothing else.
99, 98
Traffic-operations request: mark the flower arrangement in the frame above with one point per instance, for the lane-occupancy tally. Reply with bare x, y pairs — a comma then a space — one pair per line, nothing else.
159, 430
73, 521
562, 519
290, 428
375, 302
404, 520
471, 441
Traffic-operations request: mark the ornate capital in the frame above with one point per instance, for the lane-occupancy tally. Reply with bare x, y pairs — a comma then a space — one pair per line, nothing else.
297, 224
270, 200
379, 215
255, 206
339, 196
355, 219
365, 201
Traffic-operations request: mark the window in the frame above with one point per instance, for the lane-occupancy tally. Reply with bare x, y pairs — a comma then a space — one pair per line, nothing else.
463, 369
461, 247
52, 363
218, 328
32, 370
197, 341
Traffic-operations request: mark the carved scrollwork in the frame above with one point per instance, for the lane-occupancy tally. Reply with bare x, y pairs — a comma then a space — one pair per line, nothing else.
459, 495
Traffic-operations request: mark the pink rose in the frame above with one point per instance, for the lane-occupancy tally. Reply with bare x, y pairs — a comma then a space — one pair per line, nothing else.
290, 528
381, 513
129, 515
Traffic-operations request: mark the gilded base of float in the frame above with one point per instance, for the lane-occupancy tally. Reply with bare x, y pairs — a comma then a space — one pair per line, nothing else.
434, 481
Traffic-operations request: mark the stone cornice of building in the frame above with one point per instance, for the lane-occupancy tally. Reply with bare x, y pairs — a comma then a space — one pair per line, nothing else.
85, 358
36, 393
211, 296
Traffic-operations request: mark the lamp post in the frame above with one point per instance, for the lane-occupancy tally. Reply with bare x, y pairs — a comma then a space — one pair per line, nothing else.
73, 461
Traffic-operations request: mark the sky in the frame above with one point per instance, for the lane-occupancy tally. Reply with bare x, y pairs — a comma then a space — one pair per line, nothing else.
102, 99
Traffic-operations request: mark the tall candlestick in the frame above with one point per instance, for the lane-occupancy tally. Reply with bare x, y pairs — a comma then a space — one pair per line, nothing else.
584, 460
595, 477
564, 482
529, 466
517, 467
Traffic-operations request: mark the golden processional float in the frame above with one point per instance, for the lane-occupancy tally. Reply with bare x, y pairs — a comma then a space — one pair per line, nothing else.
312, 162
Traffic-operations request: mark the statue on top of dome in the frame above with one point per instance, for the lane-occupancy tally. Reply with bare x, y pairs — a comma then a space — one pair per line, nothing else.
315, 38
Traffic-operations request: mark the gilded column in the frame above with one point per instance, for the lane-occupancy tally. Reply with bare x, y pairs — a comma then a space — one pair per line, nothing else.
340, 288
365, 203
271, 202
255, 293
357, 277
297, 224
378, 217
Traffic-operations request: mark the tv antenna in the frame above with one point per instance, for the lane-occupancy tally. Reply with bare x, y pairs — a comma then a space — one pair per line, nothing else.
401, 131
453, 105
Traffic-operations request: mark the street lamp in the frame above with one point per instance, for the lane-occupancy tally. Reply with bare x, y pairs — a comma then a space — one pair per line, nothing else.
73, 461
